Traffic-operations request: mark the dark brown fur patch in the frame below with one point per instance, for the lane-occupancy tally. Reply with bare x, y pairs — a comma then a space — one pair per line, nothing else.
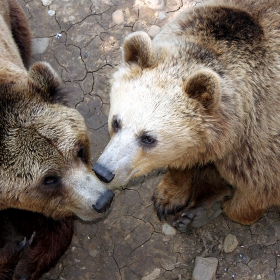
20, 31
227, 24
51, 240
203, 86
137, 49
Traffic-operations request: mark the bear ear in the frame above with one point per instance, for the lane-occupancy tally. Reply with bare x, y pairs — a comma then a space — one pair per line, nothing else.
204, 86
137, 48
46, 82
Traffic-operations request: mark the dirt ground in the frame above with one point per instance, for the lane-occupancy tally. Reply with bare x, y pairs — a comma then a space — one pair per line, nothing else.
82, 40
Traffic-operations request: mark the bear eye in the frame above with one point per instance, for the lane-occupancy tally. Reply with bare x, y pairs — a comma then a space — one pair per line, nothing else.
51, 181
116, 124
82, 153
147, 140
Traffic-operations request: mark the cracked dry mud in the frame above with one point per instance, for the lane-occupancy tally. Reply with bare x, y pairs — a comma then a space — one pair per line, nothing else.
130, 243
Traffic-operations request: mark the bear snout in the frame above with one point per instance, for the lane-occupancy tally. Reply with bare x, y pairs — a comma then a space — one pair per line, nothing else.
104, 202
103, 174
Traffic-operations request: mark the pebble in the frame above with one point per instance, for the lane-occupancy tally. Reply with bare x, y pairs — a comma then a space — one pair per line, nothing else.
155, 4
230, 243
58, 35
152, 276
161, 15
46, 2
51, 12
153, 31
138, 26
71, 18
93, 253
168, 230
118, 17
205, 268
39, 45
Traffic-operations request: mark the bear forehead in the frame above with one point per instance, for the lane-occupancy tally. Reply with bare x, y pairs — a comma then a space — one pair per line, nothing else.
47, 124
154, 91
152, 83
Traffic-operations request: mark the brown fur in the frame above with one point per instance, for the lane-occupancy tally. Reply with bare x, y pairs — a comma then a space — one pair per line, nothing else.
206, 89
181, 190
51, 240
238, 38
45, 169
20, 31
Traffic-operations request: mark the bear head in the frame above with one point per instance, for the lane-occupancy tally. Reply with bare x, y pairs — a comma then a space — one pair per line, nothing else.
165, 110
45, 151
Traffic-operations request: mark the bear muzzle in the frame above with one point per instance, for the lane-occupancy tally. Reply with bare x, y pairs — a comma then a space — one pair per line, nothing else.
103, 173
104, 202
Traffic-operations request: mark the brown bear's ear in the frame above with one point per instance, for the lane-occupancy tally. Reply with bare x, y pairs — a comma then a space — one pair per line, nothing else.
204, 86
45, 81
137, 48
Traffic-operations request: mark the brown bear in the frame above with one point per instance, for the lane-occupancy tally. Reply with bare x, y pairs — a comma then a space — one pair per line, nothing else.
45, 169
203, 99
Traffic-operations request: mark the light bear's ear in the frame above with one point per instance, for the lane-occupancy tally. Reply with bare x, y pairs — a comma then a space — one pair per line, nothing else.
45, 81
204, 86
137, 48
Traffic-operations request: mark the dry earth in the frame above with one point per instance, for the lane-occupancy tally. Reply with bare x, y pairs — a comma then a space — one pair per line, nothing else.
81, 39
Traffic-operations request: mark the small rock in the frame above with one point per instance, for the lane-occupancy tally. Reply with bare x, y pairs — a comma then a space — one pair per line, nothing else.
118, 17
152, 276
161, 15
71, 18
39, 45
58, 35
205, 268
93, 253
139, 3
137, 26
230, 243
168, 230
51, 12
153, 31
92, 250
155, 4
46, 2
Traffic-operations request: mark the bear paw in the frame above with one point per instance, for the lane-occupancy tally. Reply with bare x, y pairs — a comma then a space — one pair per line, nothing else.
164, 208
197, 216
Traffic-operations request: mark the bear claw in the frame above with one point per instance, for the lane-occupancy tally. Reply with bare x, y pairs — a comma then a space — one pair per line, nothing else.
197, 216
25, 243
163, 210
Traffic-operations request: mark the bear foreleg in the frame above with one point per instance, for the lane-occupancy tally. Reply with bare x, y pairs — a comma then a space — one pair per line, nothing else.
10, 255
246, 207
20, 31
173, 192
208, 192
49, 244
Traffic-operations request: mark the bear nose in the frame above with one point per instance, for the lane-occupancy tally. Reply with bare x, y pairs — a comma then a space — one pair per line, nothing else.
104, 202
103, 173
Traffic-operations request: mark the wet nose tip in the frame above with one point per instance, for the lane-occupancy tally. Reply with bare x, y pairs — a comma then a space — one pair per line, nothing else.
104, 202
103, 173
